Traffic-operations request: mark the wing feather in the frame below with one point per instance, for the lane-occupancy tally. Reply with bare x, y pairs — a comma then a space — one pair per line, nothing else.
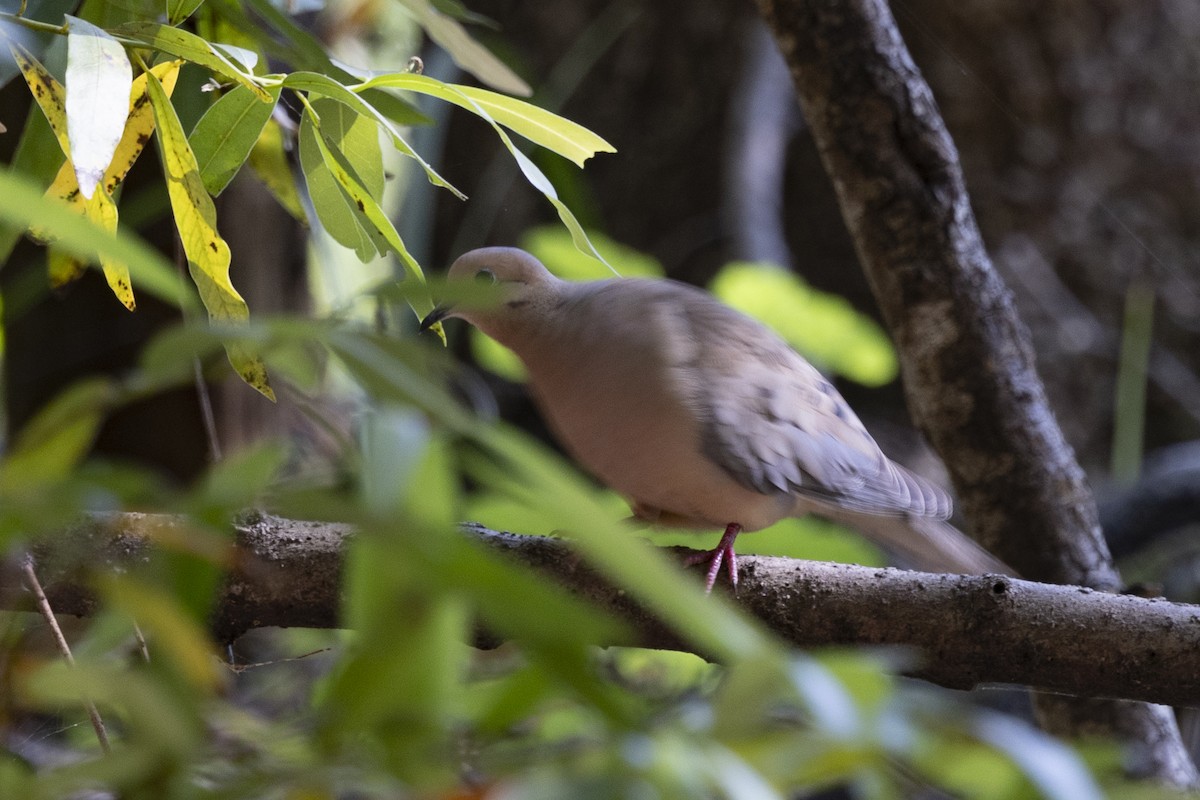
773, 422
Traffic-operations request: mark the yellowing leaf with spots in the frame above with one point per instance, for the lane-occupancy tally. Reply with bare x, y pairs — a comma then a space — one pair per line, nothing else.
138, 127
103, 211
140, 123
207, 253
46, 90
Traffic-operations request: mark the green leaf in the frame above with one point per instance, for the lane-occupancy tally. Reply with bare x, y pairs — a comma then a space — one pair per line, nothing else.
339, 215
175, 633
381, 228
466, 52
179, 10
553, 246
530, 170
98, 85
55, 441
1052, 766
207, 252
190, 47
225, 135
823, 327
568, 139
315, 83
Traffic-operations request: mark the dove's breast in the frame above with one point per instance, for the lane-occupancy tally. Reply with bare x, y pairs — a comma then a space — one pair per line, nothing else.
621, 399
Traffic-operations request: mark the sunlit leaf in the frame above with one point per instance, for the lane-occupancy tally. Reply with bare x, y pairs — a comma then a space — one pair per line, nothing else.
207, 253
190, 47
381, 228
101, 208
318, 84
340, 216
102, 211
823, 327
39, 156
98, 85
568, 139
535, 176
47, 92
553, 246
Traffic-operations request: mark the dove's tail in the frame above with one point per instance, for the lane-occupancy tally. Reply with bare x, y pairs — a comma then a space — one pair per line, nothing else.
925, 543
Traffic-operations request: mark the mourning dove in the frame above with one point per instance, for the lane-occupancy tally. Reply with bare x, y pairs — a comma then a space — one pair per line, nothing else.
699, 415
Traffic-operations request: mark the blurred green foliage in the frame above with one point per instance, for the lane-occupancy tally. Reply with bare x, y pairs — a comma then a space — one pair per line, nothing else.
398, 704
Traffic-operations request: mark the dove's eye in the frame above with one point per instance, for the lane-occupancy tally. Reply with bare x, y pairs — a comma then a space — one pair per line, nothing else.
485, 276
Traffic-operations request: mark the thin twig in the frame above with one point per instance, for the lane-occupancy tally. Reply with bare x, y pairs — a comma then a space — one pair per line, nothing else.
141, 640
202, 393
35, 586
206, 413
240, 668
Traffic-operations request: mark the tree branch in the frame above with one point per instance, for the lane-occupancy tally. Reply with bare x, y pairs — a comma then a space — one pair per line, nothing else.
966, 630
969, 367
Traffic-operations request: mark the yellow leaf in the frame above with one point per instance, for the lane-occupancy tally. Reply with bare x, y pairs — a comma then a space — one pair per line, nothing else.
47, 91
100, 209
207, 253
66, 189
140, 123
269, 162
103, 211
63, 267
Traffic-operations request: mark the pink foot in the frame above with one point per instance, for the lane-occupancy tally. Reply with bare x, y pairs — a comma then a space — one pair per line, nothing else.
722, 552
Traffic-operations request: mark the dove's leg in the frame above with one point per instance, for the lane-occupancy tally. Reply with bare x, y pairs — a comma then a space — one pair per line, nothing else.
722, 552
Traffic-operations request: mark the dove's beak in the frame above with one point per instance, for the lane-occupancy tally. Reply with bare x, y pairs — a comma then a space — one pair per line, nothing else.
433, 317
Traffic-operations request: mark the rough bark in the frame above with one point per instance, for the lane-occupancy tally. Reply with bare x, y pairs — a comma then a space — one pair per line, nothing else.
965, 630
966, 357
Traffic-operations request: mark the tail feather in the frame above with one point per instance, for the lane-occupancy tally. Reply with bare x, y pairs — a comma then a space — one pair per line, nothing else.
925, 543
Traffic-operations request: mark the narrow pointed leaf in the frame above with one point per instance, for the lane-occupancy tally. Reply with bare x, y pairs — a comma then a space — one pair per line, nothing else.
224, 136
366, 203
38, 156
339, 215
315, 83
466, 52
190, 47
140, 123
568, 139
531, 172
270, 163
98, 83
179, 10
47, 92
207, 253
103, 211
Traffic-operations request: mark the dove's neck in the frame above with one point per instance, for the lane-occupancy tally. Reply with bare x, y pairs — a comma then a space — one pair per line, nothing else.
525, 321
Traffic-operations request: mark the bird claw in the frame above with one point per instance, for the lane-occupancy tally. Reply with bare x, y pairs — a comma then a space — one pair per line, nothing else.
722, 553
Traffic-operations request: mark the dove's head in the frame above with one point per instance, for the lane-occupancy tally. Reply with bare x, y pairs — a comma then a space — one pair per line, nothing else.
527, 291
